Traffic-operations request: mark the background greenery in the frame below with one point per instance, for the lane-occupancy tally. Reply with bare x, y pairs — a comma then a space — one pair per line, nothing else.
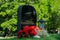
49, 10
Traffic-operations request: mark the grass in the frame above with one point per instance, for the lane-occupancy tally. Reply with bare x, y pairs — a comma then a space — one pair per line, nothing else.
51, 37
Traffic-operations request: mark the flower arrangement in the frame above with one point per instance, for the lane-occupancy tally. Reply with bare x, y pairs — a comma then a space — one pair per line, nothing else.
32, 31
41, 32
26, 31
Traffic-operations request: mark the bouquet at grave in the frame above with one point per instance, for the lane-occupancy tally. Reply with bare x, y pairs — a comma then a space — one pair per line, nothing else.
26, 31
41, 32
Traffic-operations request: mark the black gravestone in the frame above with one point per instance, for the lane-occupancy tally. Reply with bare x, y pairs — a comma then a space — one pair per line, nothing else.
26, 16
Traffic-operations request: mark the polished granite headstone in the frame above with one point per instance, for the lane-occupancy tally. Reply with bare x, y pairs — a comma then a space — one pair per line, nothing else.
26, 16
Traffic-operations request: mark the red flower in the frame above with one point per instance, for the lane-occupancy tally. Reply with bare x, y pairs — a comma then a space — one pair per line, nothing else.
20, 33
26, 34
26, 28
32, 30
32, 27
33, 33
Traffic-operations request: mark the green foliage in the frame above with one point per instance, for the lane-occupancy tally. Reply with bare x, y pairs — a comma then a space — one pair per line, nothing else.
44, 9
